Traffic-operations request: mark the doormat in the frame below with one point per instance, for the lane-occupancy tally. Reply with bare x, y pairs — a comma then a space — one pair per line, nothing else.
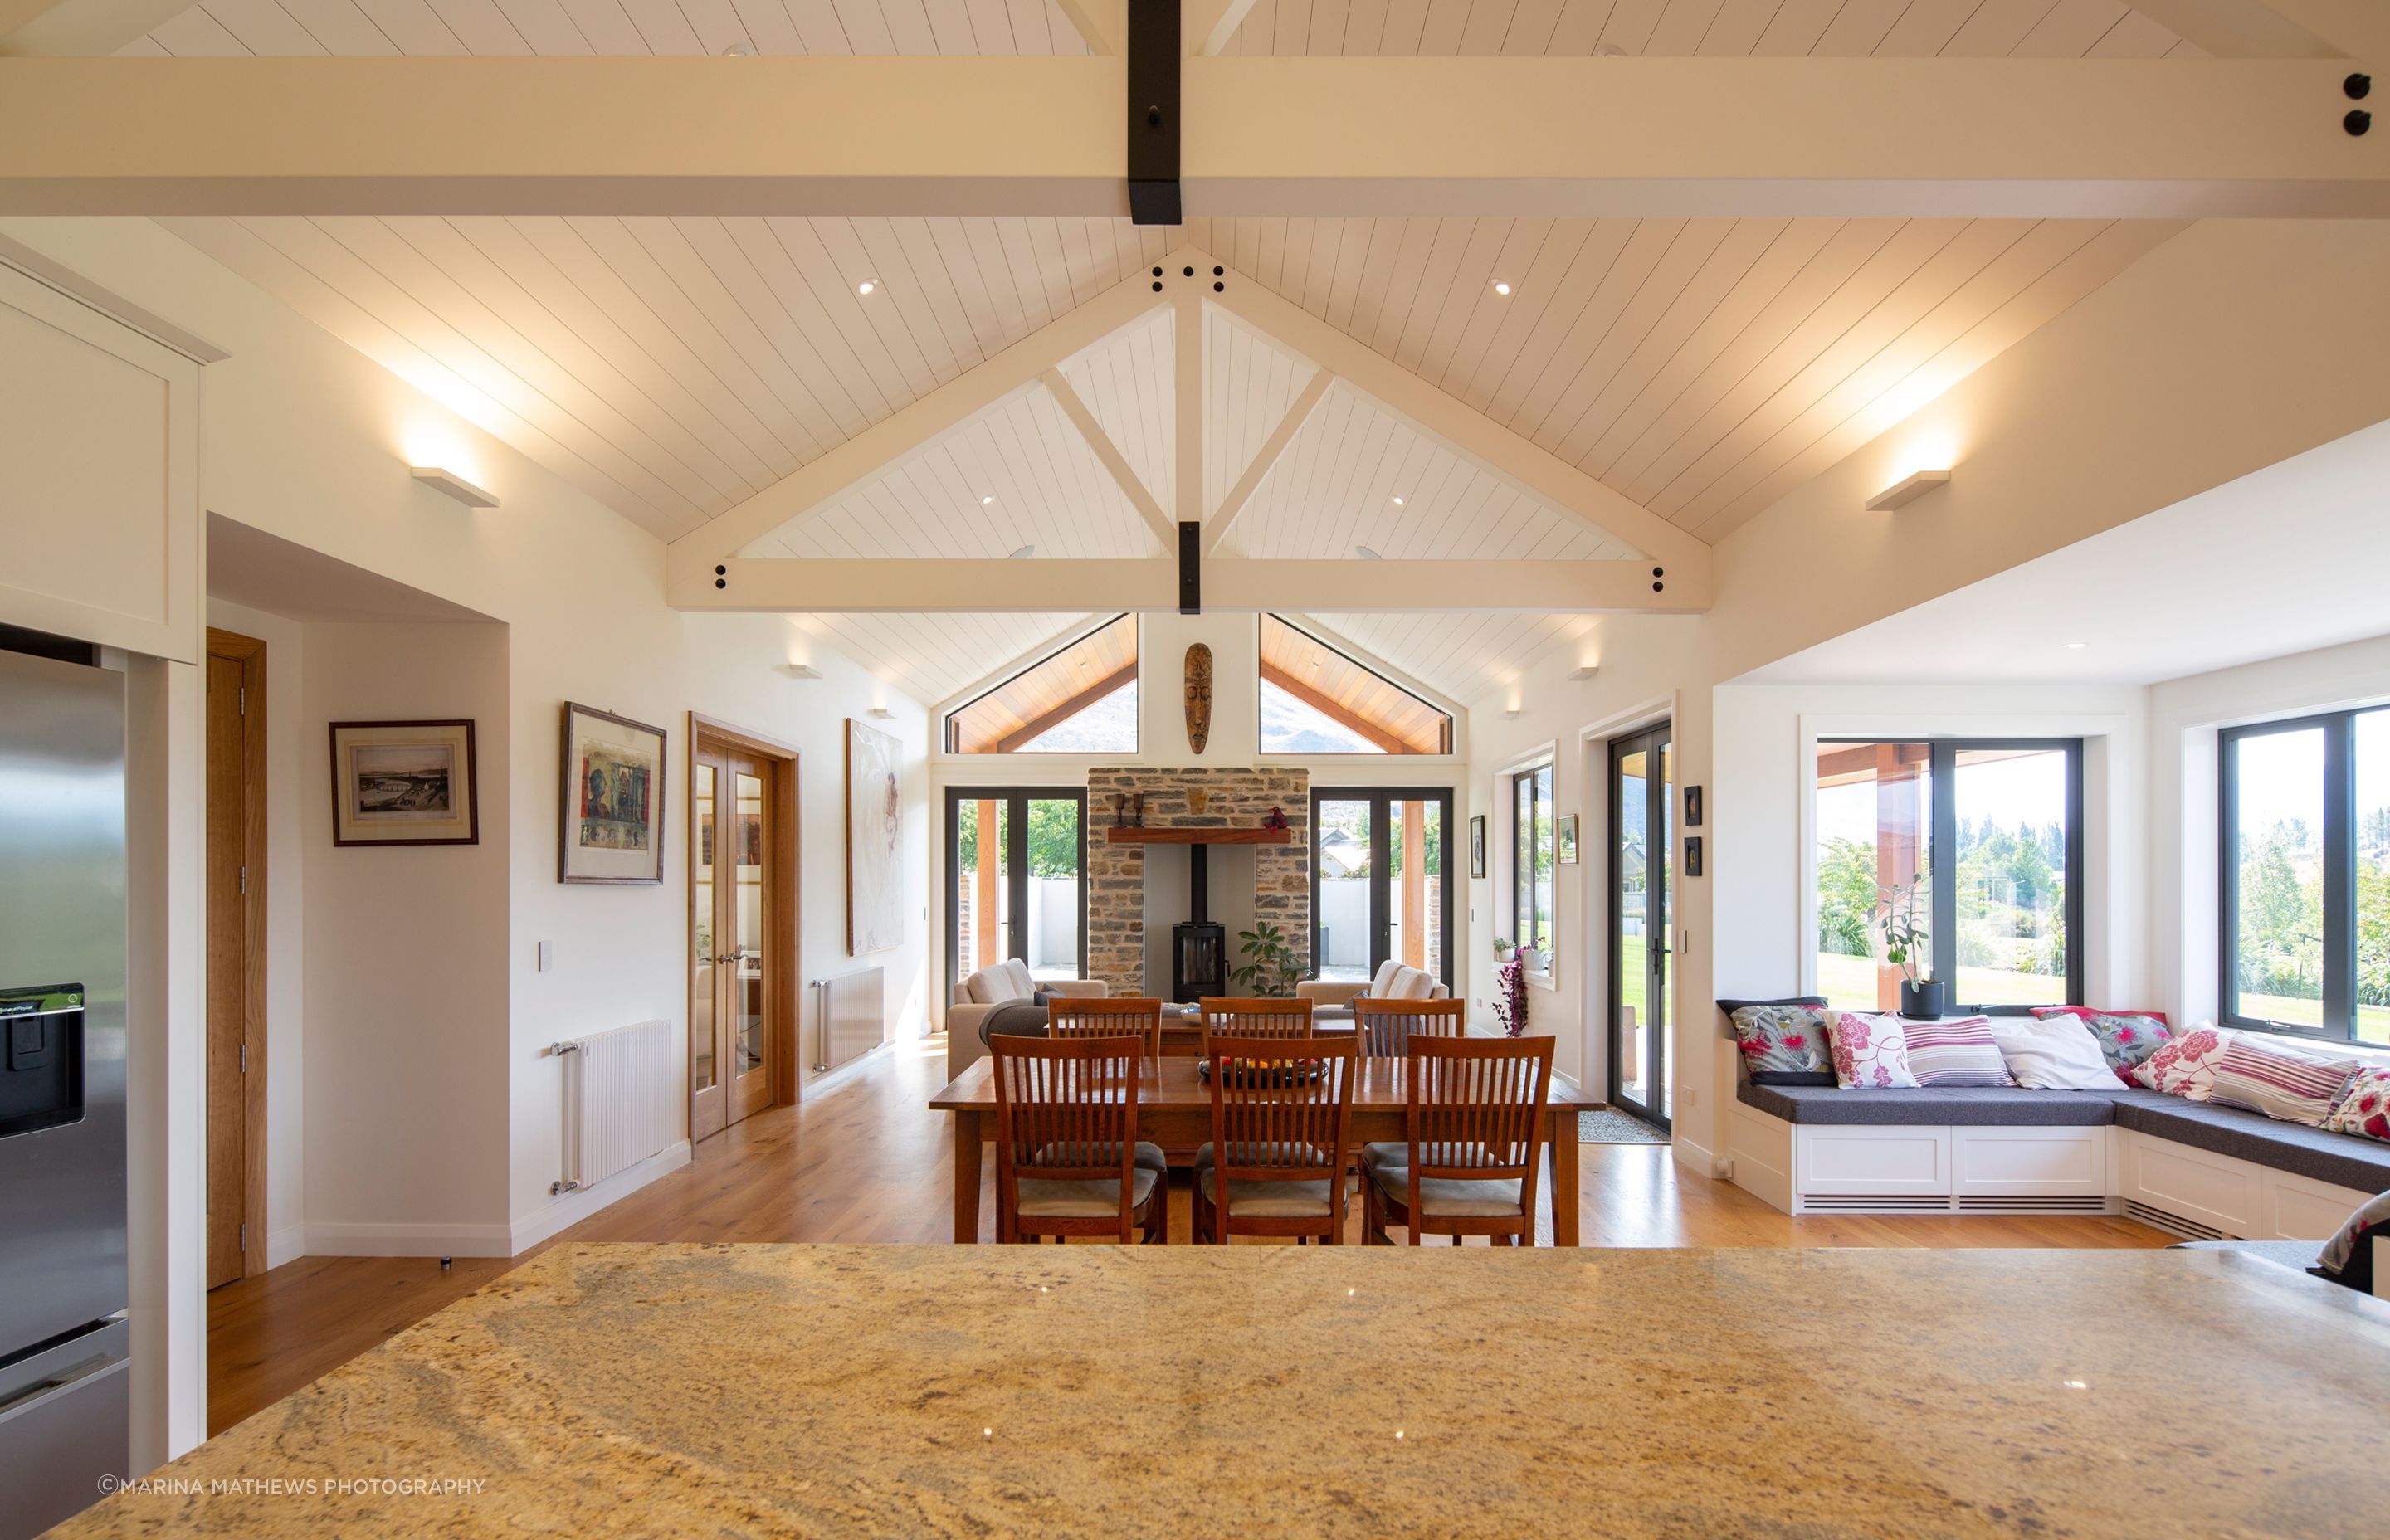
1612, 1126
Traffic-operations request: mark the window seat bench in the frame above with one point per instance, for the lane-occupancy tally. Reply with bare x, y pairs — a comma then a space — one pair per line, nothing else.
2198, 1171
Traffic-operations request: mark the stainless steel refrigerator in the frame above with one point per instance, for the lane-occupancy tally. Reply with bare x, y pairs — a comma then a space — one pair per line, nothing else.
65, 1401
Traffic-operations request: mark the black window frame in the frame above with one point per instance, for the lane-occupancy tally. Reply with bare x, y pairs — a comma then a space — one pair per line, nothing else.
1522, 859
1380, 800
2339, 1002
1942, 770
1016, 844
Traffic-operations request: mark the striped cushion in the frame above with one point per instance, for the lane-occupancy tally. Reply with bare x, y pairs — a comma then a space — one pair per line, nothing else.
2286, 1087
1956, 1052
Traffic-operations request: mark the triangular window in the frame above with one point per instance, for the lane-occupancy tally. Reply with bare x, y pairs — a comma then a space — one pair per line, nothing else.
1080, 699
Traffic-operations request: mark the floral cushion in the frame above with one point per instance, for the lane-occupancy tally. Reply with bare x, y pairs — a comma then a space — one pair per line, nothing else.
2126, 1037
1779, 1040
2288, 1087
2186, 1065
2364, 1108
1870, 1051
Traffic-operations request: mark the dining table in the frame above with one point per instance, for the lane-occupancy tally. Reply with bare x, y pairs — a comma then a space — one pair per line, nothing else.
1175, 1111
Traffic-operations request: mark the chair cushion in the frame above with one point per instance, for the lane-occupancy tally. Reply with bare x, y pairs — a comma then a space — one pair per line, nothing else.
1409, 983
1247, 1154
1932, 1106
1271, 1199
2361, 1164
993, 985
1385, 1152
1449, 1198
1384, 979
1092, 1200
1148, 1157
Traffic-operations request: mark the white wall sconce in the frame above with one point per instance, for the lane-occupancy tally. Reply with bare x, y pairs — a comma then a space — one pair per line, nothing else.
1583, 675
1907, 490
1513, 710
880, 712
801, 671
449, 484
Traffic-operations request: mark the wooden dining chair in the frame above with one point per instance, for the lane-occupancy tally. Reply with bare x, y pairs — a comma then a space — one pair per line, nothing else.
1229, 1017
1386, 1027
1066, 1112
1474, 1109
1067, 1017
1281, 1114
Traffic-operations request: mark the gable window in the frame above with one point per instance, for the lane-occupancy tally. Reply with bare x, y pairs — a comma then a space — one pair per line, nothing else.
1080, 700
1531, 864
1317, 701
2305, 901
2003, 817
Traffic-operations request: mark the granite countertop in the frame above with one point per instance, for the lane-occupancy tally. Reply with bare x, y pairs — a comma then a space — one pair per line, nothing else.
994, 1391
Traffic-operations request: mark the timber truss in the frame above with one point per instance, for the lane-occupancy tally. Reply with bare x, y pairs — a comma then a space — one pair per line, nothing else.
708, 568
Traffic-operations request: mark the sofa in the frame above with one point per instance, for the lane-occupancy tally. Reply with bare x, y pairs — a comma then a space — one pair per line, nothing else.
2195, 1169
1332, 999
990, 989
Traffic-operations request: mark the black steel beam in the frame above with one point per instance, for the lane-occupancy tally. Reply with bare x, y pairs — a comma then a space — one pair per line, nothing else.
1153, 53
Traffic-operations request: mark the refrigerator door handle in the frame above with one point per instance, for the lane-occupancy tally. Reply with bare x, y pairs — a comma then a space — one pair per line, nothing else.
47, 1391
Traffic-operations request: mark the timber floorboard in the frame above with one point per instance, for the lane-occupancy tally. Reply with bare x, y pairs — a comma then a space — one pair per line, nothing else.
865, 1161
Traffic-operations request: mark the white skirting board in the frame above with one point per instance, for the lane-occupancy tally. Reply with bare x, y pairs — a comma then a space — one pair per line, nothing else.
573, 1207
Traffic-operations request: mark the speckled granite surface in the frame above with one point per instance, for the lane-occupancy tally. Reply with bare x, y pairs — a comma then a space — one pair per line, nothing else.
1187, 1392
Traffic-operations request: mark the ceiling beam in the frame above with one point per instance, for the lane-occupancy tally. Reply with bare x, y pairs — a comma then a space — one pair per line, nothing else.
1216, 527
1108, 454
915, 427
1469, 433
37, 29
873, 586
2358, 28
1209, 24
1098, 23
2162, 138
2236, 29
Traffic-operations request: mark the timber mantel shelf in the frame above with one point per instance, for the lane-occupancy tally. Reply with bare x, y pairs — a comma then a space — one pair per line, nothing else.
1211, 836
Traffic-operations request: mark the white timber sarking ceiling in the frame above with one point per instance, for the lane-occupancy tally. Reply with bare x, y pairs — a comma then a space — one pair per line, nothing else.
674, 367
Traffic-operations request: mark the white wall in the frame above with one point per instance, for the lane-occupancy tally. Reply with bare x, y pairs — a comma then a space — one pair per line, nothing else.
307, 440
2186, 967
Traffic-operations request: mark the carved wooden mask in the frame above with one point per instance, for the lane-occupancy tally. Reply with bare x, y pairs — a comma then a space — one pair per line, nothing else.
1198, 696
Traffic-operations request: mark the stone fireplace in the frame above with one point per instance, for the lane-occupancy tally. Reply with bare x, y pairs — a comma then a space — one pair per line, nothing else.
1119, 908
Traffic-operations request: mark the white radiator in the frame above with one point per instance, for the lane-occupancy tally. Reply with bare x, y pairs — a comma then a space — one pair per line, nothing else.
621, 1102
850, 1016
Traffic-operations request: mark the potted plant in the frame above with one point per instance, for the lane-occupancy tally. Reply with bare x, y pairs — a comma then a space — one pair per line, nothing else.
1271, 969
1902, 913
1511, 997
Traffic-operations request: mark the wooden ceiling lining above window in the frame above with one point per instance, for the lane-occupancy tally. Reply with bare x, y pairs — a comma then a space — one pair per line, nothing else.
1351, 694
1047, 693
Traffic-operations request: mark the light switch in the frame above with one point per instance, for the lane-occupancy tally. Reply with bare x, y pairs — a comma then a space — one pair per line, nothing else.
546, 956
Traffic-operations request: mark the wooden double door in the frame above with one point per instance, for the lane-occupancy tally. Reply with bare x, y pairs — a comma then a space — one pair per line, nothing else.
743, 987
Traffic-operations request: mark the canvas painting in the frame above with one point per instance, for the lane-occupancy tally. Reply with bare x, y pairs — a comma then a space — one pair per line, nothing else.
875, 842
403, 783
613, 798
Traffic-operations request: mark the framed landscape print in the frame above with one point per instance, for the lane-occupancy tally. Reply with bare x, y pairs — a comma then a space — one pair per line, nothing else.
403, 783
1477, 845
612, 808
1564, 830
875, 842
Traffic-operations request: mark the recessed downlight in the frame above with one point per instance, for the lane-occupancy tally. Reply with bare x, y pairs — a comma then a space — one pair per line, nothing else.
1022, 555
867, 286
1502, 287
987, 500
1398, 502
2077, 647
1365, 553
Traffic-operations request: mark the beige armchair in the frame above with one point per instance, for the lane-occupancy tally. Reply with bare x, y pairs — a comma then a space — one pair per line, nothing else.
1392, 982
1004, 983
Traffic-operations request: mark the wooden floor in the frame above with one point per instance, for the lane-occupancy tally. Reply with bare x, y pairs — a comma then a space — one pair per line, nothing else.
866, 1163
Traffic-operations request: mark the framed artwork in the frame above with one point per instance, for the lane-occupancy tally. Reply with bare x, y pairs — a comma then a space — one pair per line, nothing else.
1564, 835
875, 842
403, 783
1692, 855
610, 808
1477, 845
1693, 807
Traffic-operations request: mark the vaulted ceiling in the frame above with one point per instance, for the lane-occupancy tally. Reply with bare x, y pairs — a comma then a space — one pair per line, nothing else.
674, 367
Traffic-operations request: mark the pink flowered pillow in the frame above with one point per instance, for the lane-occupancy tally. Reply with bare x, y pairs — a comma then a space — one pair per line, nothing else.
2364, 1108
1870, 1051
2186, 1066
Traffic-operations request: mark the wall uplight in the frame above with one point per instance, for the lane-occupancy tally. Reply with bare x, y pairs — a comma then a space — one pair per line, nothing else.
801, 671
449, 484
1907, 490
1583, 675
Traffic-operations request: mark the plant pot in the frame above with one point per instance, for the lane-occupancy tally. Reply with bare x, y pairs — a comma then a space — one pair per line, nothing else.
1919, 1001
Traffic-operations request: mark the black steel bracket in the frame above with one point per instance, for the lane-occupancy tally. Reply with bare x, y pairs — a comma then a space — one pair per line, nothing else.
1154, 47
1190, 568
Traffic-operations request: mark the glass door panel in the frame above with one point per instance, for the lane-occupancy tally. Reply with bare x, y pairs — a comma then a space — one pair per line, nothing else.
740, 908
1345, 849
2280, 899
1641, 912
1415, 885
709, 1106
2011, 833
1055, 895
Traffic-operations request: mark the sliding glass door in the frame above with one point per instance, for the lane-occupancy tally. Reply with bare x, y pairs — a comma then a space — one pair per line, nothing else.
1016, 880
1642, 776
1380, 880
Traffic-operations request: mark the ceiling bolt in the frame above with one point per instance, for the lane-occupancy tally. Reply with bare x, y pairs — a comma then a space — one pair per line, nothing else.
2357, 121
1153, 117
2359, 86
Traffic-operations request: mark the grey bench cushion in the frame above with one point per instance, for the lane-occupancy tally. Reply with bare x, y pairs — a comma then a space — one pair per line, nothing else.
2342, 1160
1933, 1106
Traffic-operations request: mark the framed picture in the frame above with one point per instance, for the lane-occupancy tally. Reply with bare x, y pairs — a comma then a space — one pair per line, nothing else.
1564, 835
611, 809
1692, 855
403, 783
875, 842
1477, 845
1693, 807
